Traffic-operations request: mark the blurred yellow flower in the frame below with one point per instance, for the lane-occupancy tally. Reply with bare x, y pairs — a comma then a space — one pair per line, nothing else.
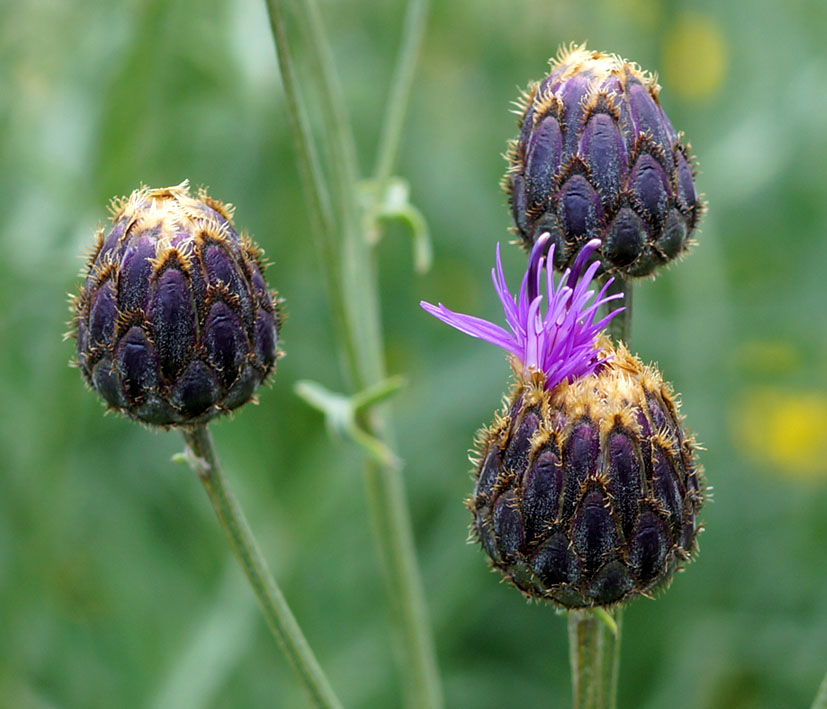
783, 429
694, 57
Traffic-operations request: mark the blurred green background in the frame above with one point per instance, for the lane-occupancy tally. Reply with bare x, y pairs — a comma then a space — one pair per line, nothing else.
116, 586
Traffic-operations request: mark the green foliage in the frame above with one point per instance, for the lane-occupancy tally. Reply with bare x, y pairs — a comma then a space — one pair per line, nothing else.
116, 585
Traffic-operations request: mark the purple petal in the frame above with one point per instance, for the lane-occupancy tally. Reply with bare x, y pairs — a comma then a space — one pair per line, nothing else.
510, 308
559, 342
535, 266
581, 259
475, 327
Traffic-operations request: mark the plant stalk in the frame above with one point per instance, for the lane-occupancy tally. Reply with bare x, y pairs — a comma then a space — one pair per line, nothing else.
204, 462
355, 295
594, 654
612, 679
314, 184
413, 30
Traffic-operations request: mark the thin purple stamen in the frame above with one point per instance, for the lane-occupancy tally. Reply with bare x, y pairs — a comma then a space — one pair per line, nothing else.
559, 342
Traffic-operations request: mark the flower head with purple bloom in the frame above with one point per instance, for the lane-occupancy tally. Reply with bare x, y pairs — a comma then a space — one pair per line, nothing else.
559, 342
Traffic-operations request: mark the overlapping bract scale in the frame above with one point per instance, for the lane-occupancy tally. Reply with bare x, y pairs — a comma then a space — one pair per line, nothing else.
174, 321
587, 494
597, 157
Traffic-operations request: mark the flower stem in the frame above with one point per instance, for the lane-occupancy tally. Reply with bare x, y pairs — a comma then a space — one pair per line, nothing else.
594, 653
585, 637
353, 292
314, 183
413, 30
612, 680
204, 461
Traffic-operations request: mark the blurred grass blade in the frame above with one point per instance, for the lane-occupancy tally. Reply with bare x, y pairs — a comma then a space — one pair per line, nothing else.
821, 698
224, 633
283, 624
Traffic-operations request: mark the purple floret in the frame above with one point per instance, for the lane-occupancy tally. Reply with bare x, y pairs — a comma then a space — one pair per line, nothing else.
559, 340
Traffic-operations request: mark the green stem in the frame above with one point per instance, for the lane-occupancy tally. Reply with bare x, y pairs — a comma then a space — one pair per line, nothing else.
594, 654
389, 509
314, 185
821, 698
363, 334
614, 668
585, 639
362, 337
204, 462
413, 30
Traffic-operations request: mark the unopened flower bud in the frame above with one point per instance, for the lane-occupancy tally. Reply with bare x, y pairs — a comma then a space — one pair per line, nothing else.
587, 494
174, 321
597, 157
586, 485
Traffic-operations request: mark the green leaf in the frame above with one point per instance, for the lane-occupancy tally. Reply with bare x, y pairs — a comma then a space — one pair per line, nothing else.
394, 205
343, 413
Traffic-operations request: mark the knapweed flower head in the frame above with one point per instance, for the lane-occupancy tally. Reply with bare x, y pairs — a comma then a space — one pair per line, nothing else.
174, 321
597, 157
586, 485
555, 338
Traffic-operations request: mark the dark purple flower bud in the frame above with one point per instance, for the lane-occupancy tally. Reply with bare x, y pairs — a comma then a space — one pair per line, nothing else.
597, 158
587, 488
174, 322
596, 508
